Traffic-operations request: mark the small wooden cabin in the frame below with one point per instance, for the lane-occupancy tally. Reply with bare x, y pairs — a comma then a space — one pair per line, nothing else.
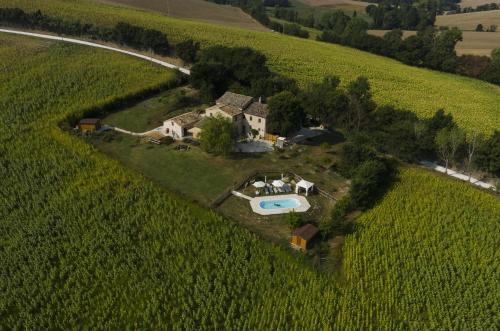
89, 124
302, 236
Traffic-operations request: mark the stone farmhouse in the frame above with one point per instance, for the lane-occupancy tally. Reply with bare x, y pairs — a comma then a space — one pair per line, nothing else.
249, 117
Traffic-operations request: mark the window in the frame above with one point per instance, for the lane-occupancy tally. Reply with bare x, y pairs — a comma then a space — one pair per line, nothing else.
260, 120
172, 123
250, 118
211, 114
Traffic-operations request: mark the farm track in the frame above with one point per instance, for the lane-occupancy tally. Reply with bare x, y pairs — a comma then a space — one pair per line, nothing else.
91, 44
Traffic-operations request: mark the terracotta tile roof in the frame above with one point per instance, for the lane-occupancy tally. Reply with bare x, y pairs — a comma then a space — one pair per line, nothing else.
187, 119
230, 110
199, 124
257, 109
306, 232
236, 100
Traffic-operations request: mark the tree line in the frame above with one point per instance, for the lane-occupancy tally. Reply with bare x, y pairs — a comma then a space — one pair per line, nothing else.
485, 7
122, 33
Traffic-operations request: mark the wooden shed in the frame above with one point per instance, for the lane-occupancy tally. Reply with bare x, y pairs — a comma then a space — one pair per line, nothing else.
302, 236
89, 124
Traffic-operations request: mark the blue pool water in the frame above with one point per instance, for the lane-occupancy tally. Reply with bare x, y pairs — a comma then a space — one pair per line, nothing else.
279, 204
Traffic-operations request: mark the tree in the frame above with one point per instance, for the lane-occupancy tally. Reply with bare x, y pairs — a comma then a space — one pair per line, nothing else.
187, 50
360, 101
324, 102
369, 183
218, 136
492, 73
473, 140
479, 28
286, 114
448, 141
488, 154
442, 55
294, 220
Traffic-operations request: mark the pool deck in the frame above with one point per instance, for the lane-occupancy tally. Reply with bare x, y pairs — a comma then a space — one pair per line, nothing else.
255, 204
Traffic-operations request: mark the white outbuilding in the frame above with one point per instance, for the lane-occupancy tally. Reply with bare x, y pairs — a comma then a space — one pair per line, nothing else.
304, 184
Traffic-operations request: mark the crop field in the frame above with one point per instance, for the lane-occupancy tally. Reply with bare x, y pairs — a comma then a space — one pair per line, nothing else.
423, 91
475, 3
308, 7
475, 43
431, 242
469, 21
199, 10
87, 243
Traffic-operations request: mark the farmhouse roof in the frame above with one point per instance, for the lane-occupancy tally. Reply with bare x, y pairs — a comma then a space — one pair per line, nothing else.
257, 109
236, 100
199, 124
187, 119
230, 110
90, 121
306, 232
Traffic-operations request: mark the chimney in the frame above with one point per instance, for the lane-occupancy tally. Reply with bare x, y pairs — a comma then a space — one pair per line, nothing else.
260, 99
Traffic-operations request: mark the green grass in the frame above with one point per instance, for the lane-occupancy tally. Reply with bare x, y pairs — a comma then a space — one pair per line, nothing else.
89, 244
203, 177
473, 103
151, 113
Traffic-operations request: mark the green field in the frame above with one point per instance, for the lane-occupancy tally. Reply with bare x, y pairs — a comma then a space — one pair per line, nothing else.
473, 103
89, 244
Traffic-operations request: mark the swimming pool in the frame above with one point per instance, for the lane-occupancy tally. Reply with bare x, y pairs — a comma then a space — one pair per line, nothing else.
277, 204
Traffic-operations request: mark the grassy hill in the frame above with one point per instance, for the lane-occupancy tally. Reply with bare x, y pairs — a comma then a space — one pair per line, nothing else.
473, 103
87, 243
199, 10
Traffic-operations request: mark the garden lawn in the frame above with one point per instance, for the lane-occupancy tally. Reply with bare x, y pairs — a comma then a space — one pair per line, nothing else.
203, 177
150, 113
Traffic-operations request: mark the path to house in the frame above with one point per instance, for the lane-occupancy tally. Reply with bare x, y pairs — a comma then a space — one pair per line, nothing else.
91, 44
139, 134
434, 166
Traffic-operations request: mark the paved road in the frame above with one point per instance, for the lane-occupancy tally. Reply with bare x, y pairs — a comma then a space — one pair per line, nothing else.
87, 43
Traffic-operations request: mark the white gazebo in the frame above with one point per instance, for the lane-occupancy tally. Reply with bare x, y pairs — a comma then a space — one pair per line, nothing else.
307, 186
259, 184
278, 183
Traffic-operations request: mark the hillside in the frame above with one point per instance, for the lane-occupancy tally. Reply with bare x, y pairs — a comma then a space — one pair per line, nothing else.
473, 103
199, 10
89, 244
469, 21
